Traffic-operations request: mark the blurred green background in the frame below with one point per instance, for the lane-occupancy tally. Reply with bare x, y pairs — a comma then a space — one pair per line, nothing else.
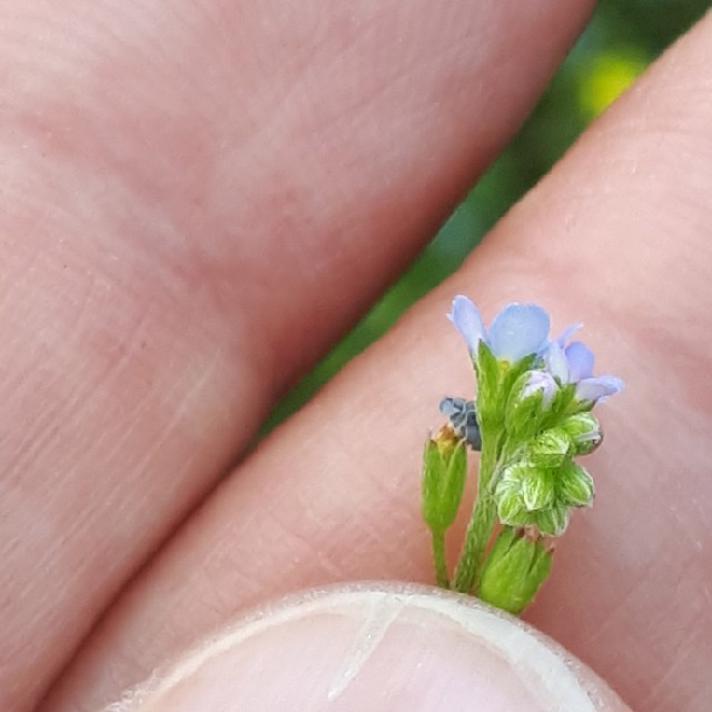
623, 37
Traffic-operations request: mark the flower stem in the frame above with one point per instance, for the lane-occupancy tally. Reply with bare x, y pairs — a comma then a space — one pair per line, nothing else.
440, 560
479, 530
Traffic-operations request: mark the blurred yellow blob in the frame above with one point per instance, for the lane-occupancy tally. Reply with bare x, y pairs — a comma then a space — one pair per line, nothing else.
605, 79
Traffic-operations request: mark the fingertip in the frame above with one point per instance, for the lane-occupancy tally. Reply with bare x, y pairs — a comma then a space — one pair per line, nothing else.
377, 647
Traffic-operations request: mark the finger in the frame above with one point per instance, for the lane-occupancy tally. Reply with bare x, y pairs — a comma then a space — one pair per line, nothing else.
198, 197
377, 648
616, 235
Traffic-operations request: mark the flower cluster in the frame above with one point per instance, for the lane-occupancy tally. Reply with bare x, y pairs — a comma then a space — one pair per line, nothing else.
532, 416
546, 414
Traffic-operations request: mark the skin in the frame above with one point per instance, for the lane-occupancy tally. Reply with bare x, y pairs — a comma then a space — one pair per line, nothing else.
198, 201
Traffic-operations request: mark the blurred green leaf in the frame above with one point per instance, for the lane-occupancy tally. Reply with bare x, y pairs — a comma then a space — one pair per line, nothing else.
622, 38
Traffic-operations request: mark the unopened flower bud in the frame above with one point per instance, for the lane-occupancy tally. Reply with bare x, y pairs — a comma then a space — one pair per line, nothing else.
523, 487
527, 495
584, 431
552, 521
510, 503
538, 490
549, 449
574, 486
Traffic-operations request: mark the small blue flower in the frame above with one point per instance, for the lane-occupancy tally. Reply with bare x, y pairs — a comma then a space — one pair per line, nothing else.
517, 331
573, 363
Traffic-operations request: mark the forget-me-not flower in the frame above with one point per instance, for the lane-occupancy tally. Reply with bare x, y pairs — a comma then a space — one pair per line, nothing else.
573, 363
530, 419
519, 330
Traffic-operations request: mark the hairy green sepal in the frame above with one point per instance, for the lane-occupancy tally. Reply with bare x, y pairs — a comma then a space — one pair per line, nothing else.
515, 570
444, 475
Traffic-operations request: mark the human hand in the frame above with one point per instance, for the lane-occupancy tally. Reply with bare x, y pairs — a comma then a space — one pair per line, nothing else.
199, 200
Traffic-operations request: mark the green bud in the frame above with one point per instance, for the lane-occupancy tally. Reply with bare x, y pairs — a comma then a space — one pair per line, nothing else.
529, 404
538, 490
584, 431
574, 486
510, 503
444, 474
523, 488
549, 449
514, 571
552, 521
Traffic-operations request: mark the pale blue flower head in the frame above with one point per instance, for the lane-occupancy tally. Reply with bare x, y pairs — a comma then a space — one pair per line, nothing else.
519, 330
573, 363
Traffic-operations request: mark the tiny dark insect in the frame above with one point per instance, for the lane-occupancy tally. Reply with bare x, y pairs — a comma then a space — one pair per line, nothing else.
463, 418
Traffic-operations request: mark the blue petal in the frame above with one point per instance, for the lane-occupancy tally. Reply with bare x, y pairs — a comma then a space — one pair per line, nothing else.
467, 320
556, 362
593, 389
567, 333
580, 360
519, 330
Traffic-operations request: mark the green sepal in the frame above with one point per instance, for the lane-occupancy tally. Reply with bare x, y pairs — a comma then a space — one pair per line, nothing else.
576, 406
549, 449
552, 521
574, 486
444, 475
488, 380
495, 380
523, 488
512, 372
561, 404
584, 431
537, 490
527, 411
510, 503
514, 571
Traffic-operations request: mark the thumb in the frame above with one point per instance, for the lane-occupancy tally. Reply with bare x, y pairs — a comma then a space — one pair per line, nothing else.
379, 648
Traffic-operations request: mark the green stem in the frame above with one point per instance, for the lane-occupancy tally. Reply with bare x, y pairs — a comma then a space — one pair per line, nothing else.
440, 560
482, 522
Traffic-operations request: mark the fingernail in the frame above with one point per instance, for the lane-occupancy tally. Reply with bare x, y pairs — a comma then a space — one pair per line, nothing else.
376, 647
